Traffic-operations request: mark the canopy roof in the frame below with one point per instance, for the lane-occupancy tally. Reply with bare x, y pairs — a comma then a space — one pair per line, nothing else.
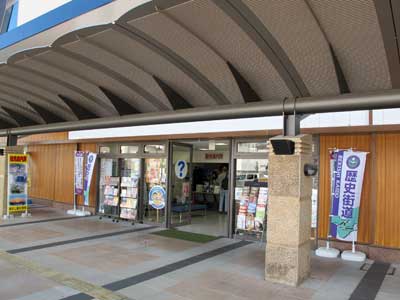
174, 54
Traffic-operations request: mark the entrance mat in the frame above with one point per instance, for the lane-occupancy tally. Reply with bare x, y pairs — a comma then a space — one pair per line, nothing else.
186, 236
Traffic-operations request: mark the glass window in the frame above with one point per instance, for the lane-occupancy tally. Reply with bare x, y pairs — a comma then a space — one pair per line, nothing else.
252, 147
154, 149
129, 149
155, 189
104, 149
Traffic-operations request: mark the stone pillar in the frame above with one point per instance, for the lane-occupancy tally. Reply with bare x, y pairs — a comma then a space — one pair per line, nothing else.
287, 258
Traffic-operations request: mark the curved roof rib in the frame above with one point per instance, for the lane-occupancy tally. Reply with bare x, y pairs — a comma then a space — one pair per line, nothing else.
169, 55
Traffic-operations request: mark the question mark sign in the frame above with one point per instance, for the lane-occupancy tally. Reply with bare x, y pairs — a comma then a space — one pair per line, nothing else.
181, 165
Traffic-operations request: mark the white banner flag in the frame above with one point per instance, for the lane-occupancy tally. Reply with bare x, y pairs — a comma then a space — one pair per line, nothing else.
90, 162
347, 187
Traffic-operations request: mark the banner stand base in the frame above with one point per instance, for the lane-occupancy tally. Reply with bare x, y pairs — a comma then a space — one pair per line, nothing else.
327, 252
71, 212
354, 256
82, 213
26, 215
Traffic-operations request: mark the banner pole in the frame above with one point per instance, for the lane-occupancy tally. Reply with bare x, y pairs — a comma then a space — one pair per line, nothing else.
327, 251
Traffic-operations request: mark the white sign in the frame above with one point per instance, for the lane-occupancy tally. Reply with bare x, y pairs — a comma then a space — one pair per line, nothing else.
347, 187
79, 157
181, 169
90, 162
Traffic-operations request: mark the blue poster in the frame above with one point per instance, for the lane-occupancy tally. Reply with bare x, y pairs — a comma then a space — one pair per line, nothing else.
157, 197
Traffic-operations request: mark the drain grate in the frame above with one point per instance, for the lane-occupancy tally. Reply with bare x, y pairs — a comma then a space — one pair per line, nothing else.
365, 267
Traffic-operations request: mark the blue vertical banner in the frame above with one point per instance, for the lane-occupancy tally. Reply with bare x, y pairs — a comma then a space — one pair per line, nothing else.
90, 162
348, 176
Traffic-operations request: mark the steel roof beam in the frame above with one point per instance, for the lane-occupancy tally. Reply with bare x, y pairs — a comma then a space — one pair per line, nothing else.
265, 41
114, 75
388, 13
47, 116
248, 93
68, 86
173, 58
122, 106
306, 105
176, 100
21, 119
81, 112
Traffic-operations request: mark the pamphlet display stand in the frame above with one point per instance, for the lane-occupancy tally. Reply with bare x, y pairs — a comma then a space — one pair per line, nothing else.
111, 192
129, 198
251, 217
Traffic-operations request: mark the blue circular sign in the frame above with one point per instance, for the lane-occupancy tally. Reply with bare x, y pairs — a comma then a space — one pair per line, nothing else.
157, 197
353, 162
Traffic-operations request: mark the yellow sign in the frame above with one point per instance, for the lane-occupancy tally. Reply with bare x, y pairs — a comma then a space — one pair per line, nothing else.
17, 183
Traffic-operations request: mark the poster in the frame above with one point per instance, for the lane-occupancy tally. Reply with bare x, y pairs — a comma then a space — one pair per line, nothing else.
181, 169
17, 197
157, 197
90, 162
78, 172
347, 186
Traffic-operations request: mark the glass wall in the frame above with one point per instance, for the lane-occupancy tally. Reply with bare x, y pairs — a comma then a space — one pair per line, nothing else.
133, 182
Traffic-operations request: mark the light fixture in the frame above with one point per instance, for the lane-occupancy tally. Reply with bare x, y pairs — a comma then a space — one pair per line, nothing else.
203, 149
221, 144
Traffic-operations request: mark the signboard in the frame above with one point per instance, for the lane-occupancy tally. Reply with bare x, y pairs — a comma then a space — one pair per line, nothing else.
157, 197
17, 196
214, 156
349, 167
90, 162
181, 169
78, 172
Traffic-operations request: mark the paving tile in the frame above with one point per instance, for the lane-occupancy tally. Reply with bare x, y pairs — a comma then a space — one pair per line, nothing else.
104, 256
18, 235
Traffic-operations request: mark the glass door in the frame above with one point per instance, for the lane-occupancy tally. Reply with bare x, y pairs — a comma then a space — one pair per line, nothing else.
180, 183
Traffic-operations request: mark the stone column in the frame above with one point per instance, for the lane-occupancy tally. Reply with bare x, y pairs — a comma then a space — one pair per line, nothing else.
287, 258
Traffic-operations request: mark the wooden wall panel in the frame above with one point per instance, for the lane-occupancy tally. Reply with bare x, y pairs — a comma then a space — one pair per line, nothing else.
42, 171
64, 173
361, 142
52, 169
387, 230
44, 137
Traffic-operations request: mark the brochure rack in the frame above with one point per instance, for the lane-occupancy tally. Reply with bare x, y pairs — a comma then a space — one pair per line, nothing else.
251, 216
111, 192
129, 198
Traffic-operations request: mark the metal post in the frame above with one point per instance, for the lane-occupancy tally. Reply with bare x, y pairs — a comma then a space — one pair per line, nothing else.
291, 125
12, 140
231, 189
168, 211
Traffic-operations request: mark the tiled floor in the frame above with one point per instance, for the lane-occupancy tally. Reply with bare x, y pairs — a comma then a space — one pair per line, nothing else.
212, 223
147, 266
